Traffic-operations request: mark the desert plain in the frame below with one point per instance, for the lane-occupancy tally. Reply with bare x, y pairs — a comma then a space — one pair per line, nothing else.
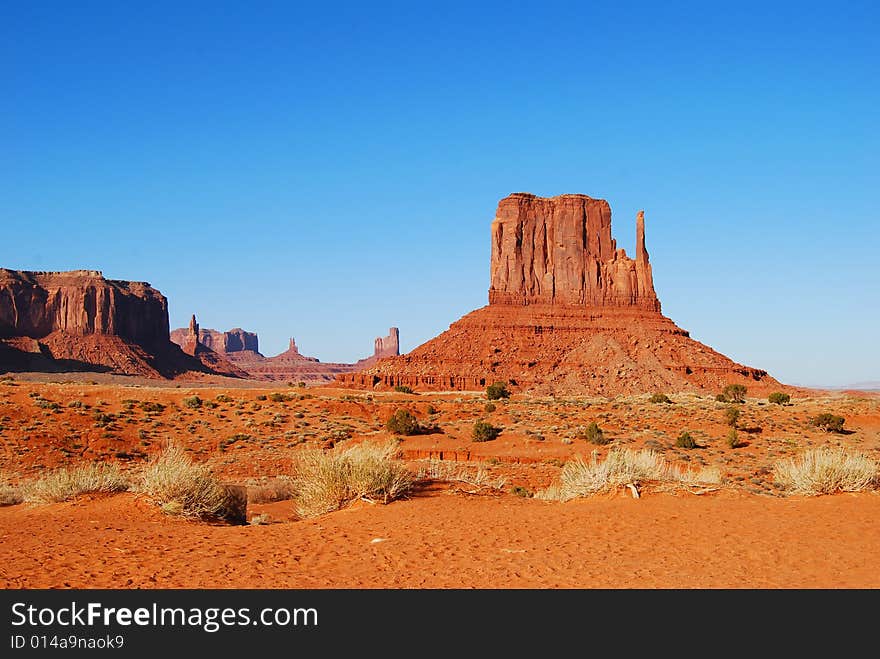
476, 515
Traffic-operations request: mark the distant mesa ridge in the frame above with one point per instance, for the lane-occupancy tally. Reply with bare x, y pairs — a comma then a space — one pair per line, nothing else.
79, 320
241, 348
568, 312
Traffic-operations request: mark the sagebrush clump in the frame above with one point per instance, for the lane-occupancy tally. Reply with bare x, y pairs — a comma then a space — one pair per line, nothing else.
484, 431
591, 433
826, 471
324, 482
179, 486
497, 391
779, 398
69, 482
828, 422
660, 398
684, 440
403, 422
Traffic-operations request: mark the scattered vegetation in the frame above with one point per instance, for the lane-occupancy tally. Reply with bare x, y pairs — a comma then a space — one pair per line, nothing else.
733, 393
69, 482
484, 431
592, 433
828, 422
826, 471
179, 486
192, 402
330, 481
489, 408
731, 416
10, 495
403, 389
779, 398
684, 440
452, 472
660, 398
733, 440
621, 467
497, 391
403, 422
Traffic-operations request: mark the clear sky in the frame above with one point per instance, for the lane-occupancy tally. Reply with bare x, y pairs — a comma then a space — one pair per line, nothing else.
327, 170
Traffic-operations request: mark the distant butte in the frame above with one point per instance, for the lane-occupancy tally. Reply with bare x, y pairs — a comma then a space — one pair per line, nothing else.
241, 348
78, 320
568, 313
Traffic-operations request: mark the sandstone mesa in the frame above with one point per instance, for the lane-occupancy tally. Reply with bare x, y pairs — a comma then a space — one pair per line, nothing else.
568, 313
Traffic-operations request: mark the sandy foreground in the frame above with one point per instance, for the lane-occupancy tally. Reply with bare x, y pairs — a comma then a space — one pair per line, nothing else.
742, 534
440, 539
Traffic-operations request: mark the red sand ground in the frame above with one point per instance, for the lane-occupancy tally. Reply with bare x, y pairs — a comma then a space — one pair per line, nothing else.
743, 535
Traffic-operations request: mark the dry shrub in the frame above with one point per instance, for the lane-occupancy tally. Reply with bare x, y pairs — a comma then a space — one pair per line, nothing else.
329, 481
452, 472
825, 471
181, 487
276, 489
10, 495
621, 467
68, 482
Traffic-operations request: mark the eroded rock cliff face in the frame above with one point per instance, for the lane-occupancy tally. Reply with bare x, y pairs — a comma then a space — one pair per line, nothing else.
223, 343
81, 302
568, 313
79, 320
560, 251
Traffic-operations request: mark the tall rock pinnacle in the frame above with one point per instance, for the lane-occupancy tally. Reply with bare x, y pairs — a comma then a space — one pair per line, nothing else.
559, 250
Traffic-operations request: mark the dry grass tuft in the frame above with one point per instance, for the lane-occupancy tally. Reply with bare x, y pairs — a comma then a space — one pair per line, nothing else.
825, 471
621, 467
69, 482
181, 487
325, 482
451, 472
10, 495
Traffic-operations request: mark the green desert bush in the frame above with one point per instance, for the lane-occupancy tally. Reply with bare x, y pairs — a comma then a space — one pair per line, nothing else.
731, 416
591, 433
828, 422
660, 398
778, 398
621, 467
735, 393
403, 422
69, 482
179, 486
192, 402
484, 431
328, 481
489, 408
403, 389
826, 471
497, 391
733, 440
684, 440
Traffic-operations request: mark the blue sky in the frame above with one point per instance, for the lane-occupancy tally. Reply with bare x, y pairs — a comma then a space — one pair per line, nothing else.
325, 171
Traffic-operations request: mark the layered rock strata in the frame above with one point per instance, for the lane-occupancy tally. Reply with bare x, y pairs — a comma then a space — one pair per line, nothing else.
568, 313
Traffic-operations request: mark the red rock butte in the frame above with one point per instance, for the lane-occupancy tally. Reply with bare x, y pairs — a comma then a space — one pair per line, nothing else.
78, 320
568, 313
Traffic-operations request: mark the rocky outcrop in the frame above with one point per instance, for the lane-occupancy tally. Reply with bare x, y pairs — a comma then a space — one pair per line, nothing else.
240, 349
80, 303
560, 251
387, 346
568, 313
223, 343
78, 320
